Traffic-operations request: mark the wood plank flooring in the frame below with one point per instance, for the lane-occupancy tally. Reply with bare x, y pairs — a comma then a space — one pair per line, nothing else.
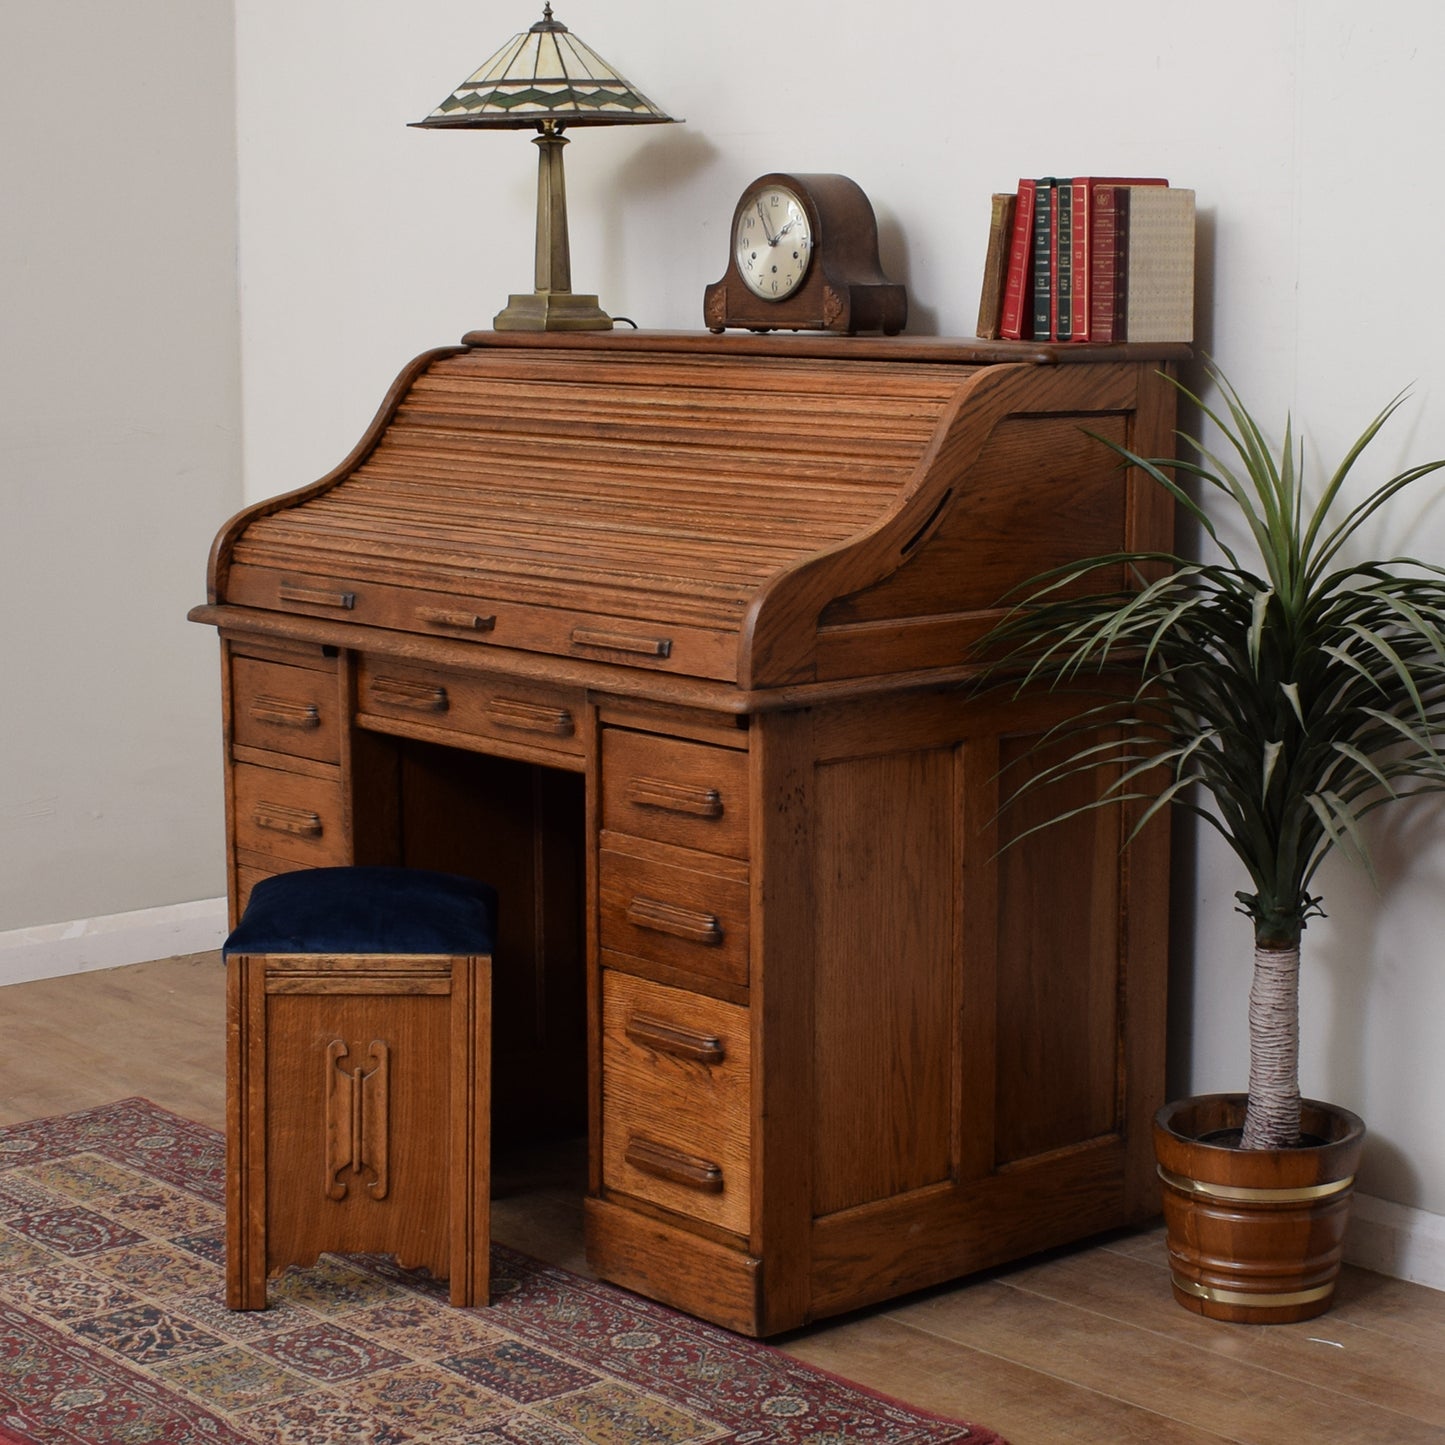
1081, 1345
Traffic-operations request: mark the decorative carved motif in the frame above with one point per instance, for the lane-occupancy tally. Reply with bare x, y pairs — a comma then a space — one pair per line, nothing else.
356, 1119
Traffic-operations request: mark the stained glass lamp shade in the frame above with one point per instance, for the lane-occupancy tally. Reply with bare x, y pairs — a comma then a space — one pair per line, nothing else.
547, 79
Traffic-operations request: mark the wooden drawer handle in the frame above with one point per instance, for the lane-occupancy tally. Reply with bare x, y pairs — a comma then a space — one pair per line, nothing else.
414, 696
455, 621
283, 712
531, 717
660, 917
281, 818
672, 1164
316, 597
675, 797
666, 1038
621, 642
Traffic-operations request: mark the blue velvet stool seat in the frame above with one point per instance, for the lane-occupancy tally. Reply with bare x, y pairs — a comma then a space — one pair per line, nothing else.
358, 1075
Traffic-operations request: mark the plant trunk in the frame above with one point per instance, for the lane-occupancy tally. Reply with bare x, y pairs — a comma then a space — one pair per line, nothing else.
1273, 1118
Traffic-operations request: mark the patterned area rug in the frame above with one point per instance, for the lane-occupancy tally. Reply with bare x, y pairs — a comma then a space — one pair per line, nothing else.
114, 1331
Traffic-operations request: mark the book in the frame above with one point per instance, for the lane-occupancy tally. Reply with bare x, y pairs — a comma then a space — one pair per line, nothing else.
1063, 260
1108, 262
1080, 220
1044, 241
1082, 206
1160, 303
1018, 295
996, 265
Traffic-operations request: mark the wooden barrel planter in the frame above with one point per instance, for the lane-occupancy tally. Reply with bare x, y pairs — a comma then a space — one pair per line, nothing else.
1255, 1235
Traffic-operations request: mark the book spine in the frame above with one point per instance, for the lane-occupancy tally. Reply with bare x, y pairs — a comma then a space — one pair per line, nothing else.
1107, 287
995, 265
1043, 259
1018, 287
1160, 268
1063, 259
1080, 227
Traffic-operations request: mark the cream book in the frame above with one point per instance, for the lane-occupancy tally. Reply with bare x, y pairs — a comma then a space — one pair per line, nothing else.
1161, 264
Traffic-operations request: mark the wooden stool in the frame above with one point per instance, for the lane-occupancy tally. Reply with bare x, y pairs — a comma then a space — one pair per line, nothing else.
358, 1075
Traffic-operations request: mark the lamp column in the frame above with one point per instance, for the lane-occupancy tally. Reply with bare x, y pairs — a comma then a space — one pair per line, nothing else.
552, 306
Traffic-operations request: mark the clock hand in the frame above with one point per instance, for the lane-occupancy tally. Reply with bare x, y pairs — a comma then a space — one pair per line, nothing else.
772, 239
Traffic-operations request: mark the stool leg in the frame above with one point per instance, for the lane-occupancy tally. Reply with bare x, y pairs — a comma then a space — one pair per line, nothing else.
245, 1134
471, 1105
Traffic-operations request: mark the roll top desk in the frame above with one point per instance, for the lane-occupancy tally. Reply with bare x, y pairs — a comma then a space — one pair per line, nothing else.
668, 637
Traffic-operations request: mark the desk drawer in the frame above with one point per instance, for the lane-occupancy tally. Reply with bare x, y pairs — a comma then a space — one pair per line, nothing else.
681, 909
678, 792
558, 630
289, 815
675, 1099
285, 709
477, 705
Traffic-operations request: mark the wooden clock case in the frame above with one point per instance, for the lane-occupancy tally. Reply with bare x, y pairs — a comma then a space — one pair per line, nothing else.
845, 289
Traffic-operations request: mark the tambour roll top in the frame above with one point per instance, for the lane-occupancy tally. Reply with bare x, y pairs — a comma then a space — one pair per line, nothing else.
696, 512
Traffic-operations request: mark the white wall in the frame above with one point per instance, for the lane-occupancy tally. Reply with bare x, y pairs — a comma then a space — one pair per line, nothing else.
119, 449
1307, 128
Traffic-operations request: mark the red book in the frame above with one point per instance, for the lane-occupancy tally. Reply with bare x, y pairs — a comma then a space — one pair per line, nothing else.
1080, 203
1109, 263
1083, 247
1018, 285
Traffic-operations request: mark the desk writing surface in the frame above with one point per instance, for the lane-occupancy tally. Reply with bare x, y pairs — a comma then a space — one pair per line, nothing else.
670, 640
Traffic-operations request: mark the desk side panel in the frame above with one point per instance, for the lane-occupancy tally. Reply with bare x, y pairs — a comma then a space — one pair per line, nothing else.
987, 1014
1043, 489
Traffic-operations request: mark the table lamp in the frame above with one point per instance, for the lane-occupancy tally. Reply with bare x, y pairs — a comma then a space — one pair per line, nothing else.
548, 79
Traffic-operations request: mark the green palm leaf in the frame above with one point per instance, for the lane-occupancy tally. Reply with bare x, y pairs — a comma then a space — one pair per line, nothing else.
1280, 700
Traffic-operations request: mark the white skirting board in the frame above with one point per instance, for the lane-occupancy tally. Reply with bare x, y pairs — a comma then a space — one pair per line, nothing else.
1391, 1239
1396, 1240
49, 950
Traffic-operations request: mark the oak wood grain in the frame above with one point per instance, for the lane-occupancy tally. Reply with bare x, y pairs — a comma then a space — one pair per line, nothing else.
676, 1126
727, 595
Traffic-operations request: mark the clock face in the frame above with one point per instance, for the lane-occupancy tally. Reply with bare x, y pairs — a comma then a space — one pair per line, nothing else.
773, 243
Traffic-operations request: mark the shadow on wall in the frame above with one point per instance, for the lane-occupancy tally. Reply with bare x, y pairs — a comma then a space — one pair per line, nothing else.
655, 173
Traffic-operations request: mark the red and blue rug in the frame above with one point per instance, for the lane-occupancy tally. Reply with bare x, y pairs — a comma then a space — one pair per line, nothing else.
114, 1330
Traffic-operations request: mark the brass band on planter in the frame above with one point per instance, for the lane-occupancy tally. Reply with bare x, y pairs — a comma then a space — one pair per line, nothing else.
1244, 1194
1258, 1299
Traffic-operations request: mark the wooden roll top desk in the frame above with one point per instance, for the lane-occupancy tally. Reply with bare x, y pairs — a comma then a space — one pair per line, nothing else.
667, 636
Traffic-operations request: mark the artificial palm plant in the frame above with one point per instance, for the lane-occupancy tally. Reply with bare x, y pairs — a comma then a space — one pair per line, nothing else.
1280, 700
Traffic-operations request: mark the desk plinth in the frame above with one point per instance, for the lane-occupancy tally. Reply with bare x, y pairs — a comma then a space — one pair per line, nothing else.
668, 638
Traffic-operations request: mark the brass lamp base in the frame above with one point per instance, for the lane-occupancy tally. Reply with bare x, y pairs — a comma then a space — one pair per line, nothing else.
552, 311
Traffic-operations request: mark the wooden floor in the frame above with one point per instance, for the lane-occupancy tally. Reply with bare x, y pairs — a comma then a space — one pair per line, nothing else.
1081, 1345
